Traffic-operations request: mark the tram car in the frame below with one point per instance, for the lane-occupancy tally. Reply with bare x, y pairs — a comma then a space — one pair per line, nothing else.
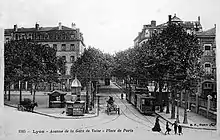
145, 103
142, 100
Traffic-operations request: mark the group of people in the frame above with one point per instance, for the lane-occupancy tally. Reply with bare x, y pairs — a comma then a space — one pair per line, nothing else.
168, 129
175, 127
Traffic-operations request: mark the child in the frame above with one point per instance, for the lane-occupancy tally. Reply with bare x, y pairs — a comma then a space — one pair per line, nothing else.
180, 129
167, 129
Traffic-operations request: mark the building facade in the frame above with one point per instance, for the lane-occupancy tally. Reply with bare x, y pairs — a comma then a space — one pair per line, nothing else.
208, 60
67, 41
206, 40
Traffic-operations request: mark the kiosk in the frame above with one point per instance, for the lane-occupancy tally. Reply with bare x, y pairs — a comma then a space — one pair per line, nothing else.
76, 108
56, 99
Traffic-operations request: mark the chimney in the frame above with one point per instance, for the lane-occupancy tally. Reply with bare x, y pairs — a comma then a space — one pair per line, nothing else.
169, 19
15, 27
199, 19
60, 26
153, 23
73, 26
37, 26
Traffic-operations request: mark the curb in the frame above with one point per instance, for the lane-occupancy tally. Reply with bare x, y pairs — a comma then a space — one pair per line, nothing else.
191, 127
56, 117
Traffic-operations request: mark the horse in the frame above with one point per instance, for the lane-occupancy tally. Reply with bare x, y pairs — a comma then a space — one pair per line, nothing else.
28, 104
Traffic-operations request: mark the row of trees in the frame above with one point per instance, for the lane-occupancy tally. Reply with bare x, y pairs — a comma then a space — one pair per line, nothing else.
171, 56
90, 67
32, 62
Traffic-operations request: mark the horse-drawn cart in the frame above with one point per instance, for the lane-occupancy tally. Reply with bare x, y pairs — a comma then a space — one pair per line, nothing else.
112, 108
27, 105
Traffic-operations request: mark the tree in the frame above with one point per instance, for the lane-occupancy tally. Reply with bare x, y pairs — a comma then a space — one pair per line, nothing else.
29, 61
92, 65
175, 56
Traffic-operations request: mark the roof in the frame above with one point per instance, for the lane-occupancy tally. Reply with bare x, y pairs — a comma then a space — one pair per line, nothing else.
56, 93
175, 19
146, 96
8, 31
76, 83
210, 32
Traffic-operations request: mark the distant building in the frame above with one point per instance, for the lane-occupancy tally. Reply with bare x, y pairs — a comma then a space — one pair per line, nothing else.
207, 42
67, 41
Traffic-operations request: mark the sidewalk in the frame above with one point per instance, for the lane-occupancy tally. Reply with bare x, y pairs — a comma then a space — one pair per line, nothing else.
195, 121
58, 112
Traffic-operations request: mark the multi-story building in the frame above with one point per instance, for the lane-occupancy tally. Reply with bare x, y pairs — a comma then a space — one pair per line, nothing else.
148, 30
208, 60
67, 41
206, 40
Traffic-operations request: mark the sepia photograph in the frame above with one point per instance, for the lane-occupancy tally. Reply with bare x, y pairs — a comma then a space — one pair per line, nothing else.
109, 69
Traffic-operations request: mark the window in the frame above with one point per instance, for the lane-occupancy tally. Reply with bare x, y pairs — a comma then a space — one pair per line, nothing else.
16, 37
208, 86
207, 49
72, 36
72, 58
188, 31
64, 58
55, 47
208, 68
29, 36
63, 47
72, 47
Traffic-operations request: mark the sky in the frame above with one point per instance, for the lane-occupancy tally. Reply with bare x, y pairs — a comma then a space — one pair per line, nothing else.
109, 25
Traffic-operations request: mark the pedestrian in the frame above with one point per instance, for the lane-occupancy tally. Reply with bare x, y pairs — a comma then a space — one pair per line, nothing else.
167, 128
175, 127
180, 129
122, 96
157, 125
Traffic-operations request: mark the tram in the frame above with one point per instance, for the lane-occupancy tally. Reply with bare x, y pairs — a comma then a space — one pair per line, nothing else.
142, 99
145, 104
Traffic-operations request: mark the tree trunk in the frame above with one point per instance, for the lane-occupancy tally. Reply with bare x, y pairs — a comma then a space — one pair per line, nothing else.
87, 98
155, 90
173, 104
50, 86
130, 90
9, 92
31, 88
20, 93
185, 121
167, 103
160, 96
35, 85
